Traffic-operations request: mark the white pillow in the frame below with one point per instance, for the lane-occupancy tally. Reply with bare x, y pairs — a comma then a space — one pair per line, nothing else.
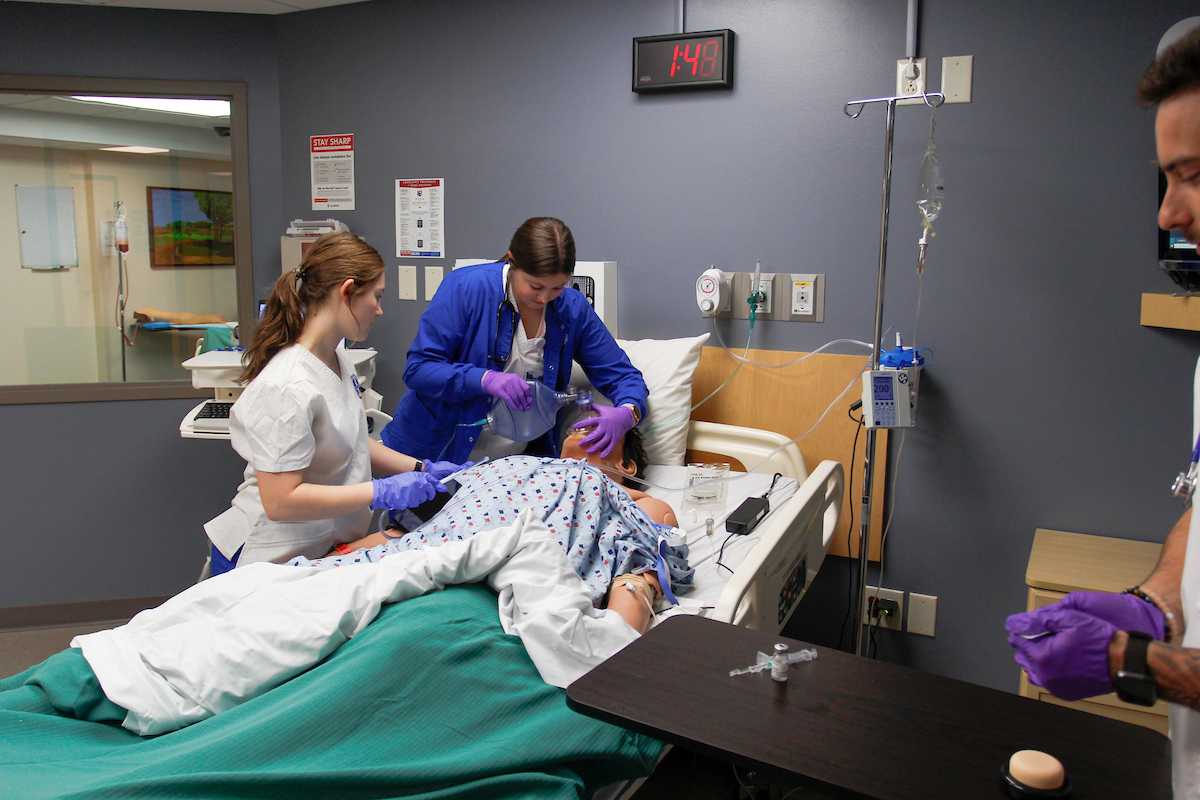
668, 367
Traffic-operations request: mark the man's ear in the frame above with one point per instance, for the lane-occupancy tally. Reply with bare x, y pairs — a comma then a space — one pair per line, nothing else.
627, 466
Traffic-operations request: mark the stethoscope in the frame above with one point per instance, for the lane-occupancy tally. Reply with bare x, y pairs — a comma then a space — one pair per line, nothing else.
1185, 484
501, 360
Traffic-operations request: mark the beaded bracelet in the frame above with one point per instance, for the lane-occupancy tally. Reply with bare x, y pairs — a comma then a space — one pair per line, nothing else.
1168, 617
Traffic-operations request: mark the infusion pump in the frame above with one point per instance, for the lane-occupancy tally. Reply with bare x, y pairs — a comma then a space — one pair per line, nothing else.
890, 397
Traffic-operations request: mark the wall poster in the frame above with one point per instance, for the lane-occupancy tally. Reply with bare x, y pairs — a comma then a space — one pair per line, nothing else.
332, 161
420, 218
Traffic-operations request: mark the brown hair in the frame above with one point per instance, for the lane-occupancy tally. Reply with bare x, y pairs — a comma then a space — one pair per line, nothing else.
1176, 71
329, 262
542, 246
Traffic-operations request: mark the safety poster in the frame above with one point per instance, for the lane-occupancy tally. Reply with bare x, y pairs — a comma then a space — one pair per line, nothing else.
420, 218
332, 160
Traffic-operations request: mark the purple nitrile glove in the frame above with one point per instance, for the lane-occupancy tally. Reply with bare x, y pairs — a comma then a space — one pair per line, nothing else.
512, 389
1124, 611
608, 428
1063, 650
443, 469
405, 490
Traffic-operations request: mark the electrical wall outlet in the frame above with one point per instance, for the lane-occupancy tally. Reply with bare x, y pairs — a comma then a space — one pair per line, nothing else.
892, 622
910, 80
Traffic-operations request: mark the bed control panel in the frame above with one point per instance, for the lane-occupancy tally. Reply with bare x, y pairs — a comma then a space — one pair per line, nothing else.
793, 589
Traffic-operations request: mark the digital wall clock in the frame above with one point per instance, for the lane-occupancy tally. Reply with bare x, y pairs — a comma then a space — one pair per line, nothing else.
680, 62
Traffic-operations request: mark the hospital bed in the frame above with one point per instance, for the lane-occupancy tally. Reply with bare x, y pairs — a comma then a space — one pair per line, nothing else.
430, 700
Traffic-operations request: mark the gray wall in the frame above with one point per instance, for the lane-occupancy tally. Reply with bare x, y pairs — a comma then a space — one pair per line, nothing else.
105, 500
1047, 404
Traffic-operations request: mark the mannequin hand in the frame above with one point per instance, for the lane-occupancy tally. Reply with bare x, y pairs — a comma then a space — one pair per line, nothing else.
1069, 652
405, 490
442, 469
1123, 611
608, 428
512, 389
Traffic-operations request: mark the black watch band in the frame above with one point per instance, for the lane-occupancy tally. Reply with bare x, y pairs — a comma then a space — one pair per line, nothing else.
420, 465
1133, 681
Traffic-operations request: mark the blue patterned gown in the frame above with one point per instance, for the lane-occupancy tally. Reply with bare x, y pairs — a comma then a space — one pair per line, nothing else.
597, 523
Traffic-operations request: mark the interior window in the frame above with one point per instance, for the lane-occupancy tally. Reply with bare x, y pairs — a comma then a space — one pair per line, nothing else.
126, 247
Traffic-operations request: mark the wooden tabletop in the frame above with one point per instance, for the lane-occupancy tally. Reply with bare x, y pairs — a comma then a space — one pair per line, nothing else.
867, 727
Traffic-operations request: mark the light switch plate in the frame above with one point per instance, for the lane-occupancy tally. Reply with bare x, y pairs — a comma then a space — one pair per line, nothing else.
957, 76
922, 614
406, 282
433, 279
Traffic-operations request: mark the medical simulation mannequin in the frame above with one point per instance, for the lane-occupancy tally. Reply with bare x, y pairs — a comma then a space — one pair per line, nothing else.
1146, 641
489, 328
627, 458
300, 423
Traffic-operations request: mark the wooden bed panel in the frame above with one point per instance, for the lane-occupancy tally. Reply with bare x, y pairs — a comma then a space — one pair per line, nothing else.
789, 400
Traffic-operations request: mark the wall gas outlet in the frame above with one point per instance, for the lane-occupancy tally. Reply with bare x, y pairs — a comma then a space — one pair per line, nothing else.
803, 298
892, 622
764, 286
910, 80
803, 295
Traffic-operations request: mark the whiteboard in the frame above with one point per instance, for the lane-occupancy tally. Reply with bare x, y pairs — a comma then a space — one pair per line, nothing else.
46, 218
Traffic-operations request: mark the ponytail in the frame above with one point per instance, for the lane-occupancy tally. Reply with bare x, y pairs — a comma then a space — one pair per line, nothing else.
332, 259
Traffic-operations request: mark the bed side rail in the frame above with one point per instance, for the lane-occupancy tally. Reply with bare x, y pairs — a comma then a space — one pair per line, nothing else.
774, 576
750, 446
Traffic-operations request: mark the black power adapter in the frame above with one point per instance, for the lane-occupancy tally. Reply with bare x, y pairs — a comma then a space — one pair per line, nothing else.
748, 515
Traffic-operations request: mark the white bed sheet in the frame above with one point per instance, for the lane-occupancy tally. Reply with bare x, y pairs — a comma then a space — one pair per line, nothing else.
703, 550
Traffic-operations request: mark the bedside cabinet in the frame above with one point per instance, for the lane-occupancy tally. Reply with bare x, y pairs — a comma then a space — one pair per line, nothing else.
1062, 562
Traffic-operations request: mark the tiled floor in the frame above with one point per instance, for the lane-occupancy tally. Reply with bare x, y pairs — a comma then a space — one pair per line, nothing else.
21, 649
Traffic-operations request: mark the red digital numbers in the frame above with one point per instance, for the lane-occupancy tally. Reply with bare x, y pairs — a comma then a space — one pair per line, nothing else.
708, 64
703, 61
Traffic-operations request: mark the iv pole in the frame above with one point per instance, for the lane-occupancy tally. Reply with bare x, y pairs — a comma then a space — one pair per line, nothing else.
932, 99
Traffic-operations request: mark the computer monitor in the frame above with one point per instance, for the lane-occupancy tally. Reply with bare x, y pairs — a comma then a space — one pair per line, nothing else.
1176, 255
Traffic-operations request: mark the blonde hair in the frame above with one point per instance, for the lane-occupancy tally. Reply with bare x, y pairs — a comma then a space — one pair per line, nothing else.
332, 259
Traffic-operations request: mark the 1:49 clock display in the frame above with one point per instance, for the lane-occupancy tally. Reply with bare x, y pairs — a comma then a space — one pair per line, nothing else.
683, 61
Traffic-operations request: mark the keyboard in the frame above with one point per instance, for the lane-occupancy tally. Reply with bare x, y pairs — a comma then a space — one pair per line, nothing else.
213, 416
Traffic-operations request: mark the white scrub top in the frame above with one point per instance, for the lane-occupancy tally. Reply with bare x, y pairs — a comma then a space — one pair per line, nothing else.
1185, 723
295, 415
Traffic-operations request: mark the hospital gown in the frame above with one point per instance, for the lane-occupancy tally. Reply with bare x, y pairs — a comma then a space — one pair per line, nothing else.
597, 523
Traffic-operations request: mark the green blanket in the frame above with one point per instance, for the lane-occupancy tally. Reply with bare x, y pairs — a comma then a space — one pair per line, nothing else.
432, 700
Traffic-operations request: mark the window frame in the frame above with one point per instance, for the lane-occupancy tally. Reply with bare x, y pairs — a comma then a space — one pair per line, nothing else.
244, 268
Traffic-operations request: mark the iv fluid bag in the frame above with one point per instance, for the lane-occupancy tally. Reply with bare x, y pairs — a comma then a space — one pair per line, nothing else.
930, 190
525, 426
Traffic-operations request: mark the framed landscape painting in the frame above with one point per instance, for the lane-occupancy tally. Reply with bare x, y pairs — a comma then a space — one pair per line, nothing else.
190, 227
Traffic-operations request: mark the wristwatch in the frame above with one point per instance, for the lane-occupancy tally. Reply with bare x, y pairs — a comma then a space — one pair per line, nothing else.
1134, 682
637, 415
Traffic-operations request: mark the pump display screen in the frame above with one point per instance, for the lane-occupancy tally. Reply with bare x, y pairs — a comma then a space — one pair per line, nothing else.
683, 61
883, 388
